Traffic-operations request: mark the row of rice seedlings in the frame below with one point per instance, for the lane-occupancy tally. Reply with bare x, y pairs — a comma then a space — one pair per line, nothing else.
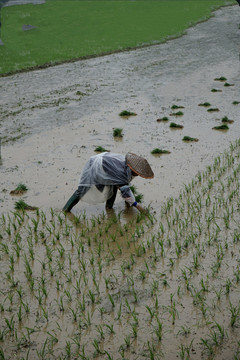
78, 271
41, 290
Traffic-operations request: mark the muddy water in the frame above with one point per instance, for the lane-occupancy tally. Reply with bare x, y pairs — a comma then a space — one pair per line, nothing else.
190, 267
52, 119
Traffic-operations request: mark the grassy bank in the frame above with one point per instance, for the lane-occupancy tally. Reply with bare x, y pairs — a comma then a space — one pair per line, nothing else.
68, 30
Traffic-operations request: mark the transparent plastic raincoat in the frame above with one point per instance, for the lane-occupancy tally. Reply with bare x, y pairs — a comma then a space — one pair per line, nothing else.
101, 174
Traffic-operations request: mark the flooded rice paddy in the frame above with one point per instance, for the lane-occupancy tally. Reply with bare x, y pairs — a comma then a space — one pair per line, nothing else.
117, 284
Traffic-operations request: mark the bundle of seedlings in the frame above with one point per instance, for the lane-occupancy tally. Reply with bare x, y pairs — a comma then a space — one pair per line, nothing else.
158, 151
20, 189
175, 126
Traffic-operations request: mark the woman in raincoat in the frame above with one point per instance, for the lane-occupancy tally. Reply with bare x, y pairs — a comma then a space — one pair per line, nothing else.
106, 173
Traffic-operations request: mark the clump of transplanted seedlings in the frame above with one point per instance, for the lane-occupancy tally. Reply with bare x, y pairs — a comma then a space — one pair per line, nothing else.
101, 149
127, 113
80, 93
235, 102
227, 84
226, 120
175, 126
213, 110
117, 132
205, 104
174, 107
158, 151
178, 113
216, 90
163, 119
20, 189
189, 138
221, 78
221, 127
22, 205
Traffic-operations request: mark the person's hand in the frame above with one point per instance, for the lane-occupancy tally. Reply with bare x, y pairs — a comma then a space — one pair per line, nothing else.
142, 209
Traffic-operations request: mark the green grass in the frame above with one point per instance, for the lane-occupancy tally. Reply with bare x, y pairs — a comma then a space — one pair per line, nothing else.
67, 30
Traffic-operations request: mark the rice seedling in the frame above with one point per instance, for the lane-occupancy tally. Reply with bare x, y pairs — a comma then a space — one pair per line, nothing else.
189, 138
151, 312
10, 324
96, 344
110, 328
117, 132
119, 312
235, 102
185, 331
228, 286
158, 330
135, 329
174, 106
215, 90
163, 119
108, 355
20, 189
227, 84
205, 104
99, 329
221, 127
158, 151
221, 330
226, 120
127, 113
178, 113
212, 109
100, 149
185, 350
207, 346
175, 126
221, 78
22, 205
234, 310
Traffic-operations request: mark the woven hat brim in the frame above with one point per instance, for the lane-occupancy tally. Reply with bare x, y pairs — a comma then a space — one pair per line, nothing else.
139, 165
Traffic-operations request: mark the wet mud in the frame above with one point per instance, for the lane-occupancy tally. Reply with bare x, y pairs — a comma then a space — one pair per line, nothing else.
52, 119
115, 284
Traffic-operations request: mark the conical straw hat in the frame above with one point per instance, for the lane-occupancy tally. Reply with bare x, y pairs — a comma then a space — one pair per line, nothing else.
139, 165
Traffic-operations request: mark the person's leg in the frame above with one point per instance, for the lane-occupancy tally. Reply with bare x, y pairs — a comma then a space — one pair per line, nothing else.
74, 199
110, 202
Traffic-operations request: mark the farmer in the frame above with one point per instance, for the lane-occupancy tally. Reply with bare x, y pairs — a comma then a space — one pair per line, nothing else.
104, 174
